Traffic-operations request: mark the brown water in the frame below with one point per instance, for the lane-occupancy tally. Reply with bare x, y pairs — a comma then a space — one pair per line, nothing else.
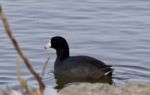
117, 32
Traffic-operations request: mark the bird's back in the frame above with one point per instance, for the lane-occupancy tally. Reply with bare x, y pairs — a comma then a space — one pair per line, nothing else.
82, 67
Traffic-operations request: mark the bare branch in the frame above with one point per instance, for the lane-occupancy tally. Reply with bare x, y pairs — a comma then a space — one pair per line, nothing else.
18, 49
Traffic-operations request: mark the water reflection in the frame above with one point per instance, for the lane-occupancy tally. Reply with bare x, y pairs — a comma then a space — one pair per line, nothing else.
63, 81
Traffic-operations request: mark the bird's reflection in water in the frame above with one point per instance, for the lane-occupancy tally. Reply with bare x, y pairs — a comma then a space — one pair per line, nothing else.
63, 81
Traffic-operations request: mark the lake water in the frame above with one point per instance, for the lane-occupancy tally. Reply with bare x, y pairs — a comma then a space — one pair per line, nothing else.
114, 31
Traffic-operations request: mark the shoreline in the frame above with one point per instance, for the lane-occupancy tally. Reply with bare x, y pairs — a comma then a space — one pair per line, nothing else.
106, 89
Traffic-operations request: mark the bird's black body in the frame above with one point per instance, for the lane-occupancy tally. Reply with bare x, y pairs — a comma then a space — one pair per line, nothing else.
76, 66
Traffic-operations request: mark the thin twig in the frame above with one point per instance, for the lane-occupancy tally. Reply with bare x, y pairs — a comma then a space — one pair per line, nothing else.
44, 66
18, 49
22, 81
18, 66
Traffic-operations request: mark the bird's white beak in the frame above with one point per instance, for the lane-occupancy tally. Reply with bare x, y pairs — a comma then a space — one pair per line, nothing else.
48, 45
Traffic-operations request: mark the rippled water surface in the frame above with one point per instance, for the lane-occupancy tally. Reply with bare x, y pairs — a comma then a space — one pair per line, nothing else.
115, 31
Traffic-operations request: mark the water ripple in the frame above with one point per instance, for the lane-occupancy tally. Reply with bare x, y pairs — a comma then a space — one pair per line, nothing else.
116, 32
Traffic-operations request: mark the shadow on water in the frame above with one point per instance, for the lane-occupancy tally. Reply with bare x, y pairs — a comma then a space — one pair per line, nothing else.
63, 81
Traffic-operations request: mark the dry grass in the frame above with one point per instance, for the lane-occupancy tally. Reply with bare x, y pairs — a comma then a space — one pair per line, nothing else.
44, 66
25, 88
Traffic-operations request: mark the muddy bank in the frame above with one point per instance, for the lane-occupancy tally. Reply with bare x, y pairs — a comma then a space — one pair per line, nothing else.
105, 89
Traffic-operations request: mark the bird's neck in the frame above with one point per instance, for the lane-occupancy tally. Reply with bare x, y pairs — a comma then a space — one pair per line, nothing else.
62, 54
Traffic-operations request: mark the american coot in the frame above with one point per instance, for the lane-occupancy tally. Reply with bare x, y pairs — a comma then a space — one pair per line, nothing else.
76, 66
